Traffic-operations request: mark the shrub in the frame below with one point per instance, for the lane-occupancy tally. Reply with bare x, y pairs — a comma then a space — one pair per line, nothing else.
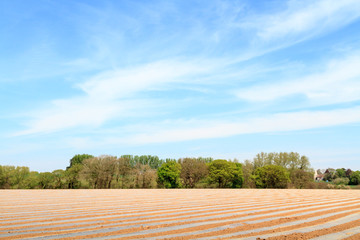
271, 176
341, 181
317, 185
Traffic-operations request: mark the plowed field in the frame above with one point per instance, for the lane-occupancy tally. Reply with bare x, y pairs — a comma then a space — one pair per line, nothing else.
180, 214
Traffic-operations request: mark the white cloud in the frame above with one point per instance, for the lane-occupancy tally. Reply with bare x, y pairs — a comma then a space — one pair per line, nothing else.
123, 83
307, 18
117, 93
339, 82
73, 112
206, 129
112, 94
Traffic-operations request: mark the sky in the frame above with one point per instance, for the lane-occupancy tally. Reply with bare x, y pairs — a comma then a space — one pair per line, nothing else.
221, 79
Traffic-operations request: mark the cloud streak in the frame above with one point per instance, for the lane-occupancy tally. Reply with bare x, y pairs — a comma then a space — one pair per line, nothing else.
121, 91
281, 122
338, 83
299, 21
111, 95
312, 17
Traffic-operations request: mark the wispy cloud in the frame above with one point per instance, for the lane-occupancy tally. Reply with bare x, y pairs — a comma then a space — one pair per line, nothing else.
338, 82
307, 18
124, 83
119, 92
68, 113
299, 21
112, 95
110, 75
207, 129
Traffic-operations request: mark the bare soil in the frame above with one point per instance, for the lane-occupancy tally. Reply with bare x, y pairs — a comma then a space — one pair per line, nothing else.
180, 214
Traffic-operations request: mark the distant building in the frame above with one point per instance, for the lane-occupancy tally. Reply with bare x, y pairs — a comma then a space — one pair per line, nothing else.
318, 176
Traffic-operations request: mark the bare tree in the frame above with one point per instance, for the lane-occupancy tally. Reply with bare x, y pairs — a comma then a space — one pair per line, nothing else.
192, 171
99, 171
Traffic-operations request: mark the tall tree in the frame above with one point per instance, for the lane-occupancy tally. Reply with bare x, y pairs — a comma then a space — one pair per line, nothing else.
301, 178
348, 173
72, 176
330, 174
355, 178
271, 176
248, 170
18, 175
238, 176
78, 159
225, 173
99, 171
3, 177
169, 174
32, 181
260, 160
46, 180
340, 173
192, 171
146, 177
59, 175
123, 171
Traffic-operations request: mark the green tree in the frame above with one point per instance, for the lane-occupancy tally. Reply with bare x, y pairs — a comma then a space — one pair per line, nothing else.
192, 171
78, 159
341, 181
7, 177
355, 178
3, 179
340, 173
248, 170
153, 161
99, 171
238, 178
59, 176
271, 176
291, 160
18, 175
301, 178
348, 173
46, 180
304, 164
260, 160
225, 173
72, 176
169, 174
32, 181
123, 171
146, 177
330, 174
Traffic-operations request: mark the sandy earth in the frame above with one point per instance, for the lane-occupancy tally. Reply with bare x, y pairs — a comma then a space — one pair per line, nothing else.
180, 214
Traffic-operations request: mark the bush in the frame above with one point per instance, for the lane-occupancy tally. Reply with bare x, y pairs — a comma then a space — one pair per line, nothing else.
271, 176
355, 178
341, 181
343, 187
169, 175
317, 185
300, 178
225, 174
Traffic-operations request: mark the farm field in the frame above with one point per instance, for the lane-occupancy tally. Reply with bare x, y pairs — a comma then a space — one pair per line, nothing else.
180, 214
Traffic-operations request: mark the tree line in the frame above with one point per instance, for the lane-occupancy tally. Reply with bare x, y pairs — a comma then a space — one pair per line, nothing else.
339, 176
266, 170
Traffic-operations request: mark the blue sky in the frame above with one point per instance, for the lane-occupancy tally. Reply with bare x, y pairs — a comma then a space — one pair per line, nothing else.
225, 79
